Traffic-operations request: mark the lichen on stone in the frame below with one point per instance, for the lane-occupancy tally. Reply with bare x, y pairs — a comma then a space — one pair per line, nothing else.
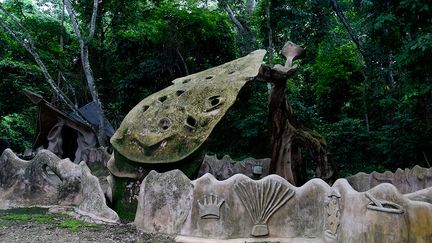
171, 124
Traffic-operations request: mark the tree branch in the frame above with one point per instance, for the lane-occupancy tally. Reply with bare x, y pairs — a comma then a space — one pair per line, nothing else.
84, 47
27, 43
233, 18
74, 21
341, 16
183, 61
93, 20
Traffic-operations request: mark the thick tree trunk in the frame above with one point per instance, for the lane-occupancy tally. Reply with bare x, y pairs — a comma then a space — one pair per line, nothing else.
281, 133
287, 138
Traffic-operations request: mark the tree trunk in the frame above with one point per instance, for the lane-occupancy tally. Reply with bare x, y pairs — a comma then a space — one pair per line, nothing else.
336, 8
26, 41
287, 138
281, 134
270, 40
84, 47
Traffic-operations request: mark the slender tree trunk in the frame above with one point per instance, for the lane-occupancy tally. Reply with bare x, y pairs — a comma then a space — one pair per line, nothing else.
270, 40
336, 8
84, 46
61, 40
185, 67
27, 43
341, 16
246, 34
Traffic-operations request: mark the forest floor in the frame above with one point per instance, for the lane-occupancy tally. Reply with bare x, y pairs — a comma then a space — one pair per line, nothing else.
43, 227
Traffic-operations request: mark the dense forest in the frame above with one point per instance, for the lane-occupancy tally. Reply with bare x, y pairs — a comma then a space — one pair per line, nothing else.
364, 83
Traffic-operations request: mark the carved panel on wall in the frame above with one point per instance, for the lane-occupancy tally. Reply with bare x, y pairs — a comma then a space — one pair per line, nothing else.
209, 208
333, 217
261, 200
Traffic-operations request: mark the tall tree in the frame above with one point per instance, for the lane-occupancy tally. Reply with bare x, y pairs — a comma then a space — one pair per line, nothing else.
26, 41
84, 42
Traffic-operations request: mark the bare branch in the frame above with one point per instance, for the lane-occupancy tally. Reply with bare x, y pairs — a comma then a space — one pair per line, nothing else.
27, 43
74, 20
84, 47
93, 20
341, 16
234, 19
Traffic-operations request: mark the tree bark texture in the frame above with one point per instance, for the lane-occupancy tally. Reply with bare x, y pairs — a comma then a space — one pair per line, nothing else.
288, 138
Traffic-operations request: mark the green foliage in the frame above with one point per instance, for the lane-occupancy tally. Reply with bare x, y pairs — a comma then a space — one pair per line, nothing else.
76, 225
62, 221
18, 129
163, 41
141, 46
244, 130
334, 63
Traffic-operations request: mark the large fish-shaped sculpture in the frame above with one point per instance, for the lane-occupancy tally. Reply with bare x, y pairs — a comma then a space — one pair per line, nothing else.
171, 124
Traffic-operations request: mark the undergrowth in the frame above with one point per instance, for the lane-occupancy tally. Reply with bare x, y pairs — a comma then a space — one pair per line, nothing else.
62, 221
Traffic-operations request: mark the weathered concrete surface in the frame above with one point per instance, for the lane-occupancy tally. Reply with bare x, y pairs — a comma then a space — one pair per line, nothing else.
406, 181
167, 207
171, 124
165, 131
240, 208
47, 180
226, 167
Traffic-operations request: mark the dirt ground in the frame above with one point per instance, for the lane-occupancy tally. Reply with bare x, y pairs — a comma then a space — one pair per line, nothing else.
31, 231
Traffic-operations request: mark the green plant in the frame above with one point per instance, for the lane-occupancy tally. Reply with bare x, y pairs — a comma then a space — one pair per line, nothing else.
35, 215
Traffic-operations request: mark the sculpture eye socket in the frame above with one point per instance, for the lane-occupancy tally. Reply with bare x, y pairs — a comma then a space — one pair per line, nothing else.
215, 100
179, 92
191, 121
164, 123
162, 99
214, 103
145, 108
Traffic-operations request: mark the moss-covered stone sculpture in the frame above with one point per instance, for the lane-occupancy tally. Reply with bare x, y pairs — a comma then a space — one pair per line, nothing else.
166, 130
170, 125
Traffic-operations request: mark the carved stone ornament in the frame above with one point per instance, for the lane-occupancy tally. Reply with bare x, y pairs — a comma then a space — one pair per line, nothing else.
209, 208
333, 216
383, 206
261, 200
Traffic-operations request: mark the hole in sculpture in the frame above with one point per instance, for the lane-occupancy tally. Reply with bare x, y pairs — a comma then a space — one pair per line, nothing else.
214, 103
209, 77
179, 92
164, 123
231, 72
191, 122
52, 177
162, 99
186, 81
145, 108
214, 100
